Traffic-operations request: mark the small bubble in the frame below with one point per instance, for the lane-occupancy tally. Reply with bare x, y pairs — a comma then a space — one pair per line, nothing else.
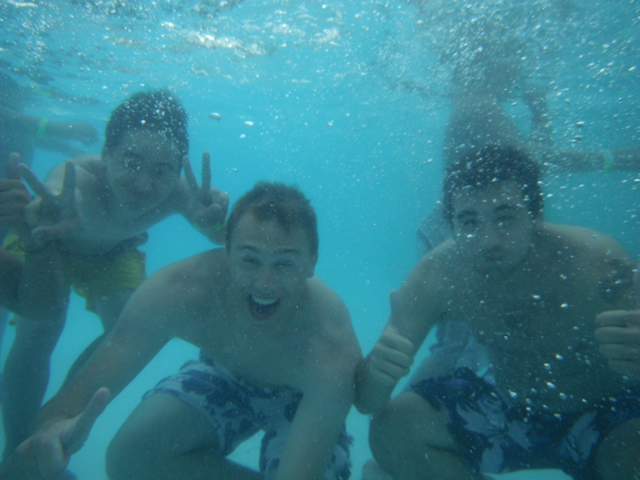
551, 385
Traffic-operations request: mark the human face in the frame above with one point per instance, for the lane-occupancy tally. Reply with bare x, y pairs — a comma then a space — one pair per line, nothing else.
269, 268
493, 228
142, 170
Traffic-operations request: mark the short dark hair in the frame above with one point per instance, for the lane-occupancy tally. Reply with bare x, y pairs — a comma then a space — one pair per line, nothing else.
158, 111
490, 164
285, 204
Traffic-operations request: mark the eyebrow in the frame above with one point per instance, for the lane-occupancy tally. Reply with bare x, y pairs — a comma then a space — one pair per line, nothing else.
280, 251
507, 207
467, 213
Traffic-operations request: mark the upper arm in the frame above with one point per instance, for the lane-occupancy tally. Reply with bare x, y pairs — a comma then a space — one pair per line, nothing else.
319, 420
144, 327
613, 268
420, 303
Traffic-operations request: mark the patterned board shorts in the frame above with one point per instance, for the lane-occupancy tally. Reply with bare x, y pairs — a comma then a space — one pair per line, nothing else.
238, 411
495, 436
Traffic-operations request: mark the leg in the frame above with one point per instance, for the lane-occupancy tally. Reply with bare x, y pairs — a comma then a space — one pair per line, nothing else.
409, 440
26, 376
618, 456
165, 438
108, 308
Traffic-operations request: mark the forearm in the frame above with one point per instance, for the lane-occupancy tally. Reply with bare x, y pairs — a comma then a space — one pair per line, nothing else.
10, 272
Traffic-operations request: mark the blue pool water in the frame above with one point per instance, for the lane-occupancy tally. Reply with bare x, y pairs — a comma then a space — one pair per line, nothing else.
346, 99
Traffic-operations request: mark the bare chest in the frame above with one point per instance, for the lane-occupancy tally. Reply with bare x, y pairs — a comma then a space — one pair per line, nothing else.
540, 343
258, 358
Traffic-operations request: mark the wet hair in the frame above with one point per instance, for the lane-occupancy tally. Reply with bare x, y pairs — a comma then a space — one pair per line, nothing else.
491, 164
271, 201
157, 111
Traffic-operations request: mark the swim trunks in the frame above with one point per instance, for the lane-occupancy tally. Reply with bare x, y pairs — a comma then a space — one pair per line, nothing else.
94, 276
237, 411
496, 436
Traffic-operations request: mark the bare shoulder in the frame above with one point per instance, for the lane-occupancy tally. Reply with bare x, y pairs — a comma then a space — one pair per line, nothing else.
192, 274
597, 256
589, 244
184, 287
434, 275
89, 171
334, 340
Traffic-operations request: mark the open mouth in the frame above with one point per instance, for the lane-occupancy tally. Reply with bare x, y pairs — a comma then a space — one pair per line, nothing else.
262, 308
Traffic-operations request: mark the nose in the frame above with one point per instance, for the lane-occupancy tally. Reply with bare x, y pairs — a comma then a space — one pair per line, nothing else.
143, 182
490, 235
264, 280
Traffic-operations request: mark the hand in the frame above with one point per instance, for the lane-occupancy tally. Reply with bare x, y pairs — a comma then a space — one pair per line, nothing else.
392, 356
45, 454
206, 206
14, 197
52, 216
619, 336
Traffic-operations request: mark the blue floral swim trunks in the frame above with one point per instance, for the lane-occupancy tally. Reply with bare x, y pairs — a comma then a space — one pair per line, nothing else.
496, 436
237, 411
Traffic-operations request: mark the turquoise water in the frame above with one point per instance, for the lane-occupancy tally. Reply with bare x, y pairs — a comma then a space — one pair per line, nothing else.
347, 100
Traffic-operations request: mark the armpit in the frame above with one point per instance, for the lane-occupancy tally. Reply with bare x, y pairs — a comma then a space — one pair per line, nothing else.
614, 286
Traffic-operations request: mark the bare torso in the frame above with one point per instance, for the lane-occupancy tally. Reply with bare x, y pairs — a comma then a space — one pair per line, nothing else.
104, 225
538, 324
259, 353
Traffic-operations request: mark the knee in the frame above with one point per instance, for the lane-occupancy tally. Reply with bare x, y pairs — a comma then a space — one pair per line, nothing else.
405, 427
128, 455
392, 431
618, 456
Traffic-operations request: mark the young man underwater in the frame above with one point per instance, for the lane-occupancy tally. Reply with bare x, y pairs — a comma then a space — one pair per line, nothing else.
528, 373
95, 211
278, 353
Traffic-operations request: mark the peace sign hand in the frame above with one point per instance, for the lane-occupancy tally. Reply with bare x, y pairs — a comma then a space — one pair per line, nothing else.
206, 206
52, 216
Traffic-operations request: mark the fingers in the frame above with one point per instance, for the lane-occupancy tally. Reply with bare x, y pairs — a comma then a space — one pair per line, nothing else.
206, 172
626, 352
625, 367
392, 340
619, 318
45, 234
68, 193
75, 438
33, 181
12, 167
192, 183
618, 335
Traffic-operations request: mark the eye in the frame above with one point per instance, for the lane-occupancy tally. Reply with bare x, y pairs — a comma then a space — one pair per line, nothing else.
250, 261
470, 223
131, 163
506, 220
283, 265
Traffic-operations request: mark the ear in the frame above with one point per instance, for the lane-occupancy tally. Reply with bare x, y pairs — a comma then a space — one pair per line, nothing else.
313, 260
539, 218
